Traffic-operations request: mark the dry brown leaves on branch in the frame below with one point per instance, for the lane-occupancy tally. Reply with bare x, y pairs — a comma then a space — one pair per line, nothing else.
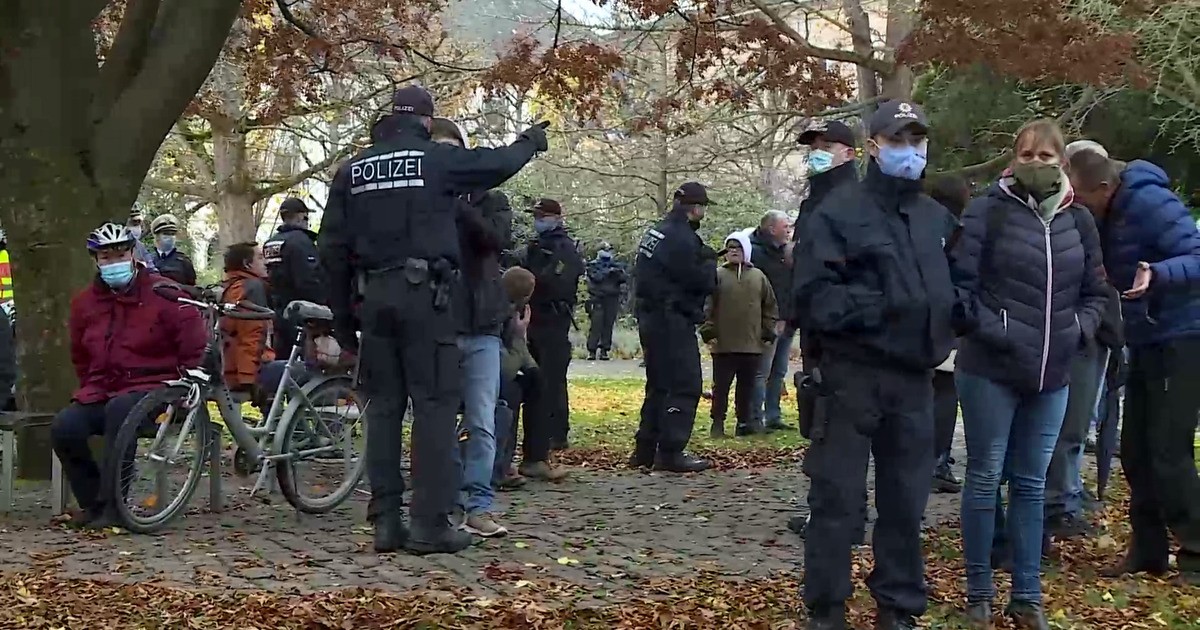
1036, 40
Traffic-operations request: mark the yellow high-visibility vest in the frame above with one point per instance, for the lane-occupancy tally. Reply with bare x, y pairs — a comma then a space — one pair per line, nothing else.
6, 283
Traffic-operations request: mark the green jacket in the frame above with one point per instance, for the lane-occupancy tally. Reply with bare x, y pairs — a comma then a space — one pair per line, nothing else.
741, 313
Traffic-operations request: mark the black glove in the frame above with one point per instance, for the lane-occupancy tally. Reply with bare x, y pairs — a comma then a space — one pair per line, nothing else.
537, 134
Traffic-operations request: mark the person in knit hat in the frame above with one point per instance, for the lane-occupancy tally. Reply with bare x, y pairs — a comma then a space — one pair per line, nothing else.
739, 323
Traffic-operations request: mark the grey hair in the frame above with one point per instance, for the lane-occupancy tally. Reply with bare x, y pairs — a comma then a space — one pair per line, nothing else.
1085, 145
771, 216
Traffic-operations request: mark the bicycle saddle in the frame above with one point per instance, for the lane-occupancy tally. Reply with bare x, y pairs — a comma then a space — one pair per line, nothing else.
307, 311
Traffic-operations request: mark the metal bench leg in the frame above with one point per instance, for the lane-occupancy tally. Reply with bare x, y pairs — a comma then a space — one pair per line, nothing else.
8, 444
59, 492
215, 503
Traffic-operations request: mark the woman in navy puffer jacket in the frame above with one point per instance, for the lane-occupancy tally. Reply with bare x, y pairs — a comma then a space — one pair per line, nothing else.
1029, 277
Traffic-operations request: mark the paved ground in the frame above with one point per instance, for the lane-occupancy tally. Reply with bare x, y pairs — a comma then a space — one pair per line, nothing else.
602, 530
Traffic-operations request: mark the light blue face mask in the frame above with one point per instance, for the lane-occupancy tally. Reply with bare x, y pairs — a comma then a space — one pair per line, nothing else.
905, 162
819, 161
117, 275
166, 244
545, 224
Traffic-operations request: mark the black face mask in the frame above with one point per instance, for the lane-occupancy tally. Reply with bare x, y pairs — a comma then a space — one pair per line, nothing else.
695, 223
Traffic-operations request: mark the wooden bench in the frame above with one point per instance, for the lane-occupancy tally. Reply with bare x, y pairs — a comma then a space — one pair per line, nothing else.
10, 423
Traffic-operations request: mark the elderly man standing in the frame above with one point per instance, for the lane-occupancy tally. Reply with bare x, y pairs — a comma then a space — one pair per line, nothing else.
768, 253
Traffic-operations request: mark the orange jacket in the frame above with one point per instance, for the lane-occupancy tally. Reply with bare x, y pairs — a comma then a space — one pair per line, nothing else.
246, 344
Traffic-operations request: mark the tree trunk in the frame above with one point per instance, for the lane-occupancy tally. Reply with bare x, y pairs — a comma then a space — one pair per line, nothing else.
902, 17
236, 197
860, 28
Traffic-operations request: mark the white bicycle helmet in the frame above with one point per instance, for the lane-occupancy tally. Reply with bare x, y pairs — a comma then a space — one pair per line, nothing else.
164, 222
110, 235
3, 235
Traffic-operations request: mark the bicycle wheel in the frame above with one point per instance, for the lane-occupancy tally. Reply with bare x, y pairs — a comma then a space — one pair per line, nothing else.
169, 427
331, 437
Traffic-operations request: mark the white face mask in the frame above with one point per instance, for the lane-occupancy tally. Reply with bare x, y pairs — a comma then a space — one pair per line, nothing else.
135, 231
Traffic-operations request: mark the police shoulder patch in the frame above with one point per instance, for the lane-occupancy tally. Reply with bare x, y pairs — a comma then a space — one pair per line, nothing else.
650, 242
273, 252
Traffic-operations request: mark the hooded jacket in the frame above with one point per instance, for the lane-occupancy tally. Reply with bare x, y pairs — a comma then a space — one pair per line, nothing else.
770, 258
741, 316
1147, 222
1025, 318
245, 343
131, 340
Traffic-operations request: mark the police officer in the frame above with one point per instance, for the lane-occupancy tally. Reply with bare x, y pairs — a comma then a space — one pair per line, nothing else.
293, 270
167, 258
873, 289
553, 257
675, 272
136, 225
606, 281
393, 208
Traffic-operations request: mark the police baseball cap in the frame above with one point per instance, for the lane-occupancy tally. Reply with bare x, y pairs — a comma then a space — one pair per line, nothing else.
292, 205
413, 100
894, 116
829, 130
547, 207
693, 193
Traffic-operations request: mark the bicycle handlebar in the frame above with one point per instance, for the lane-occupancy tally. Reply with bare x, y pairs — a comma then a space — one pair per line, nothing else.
207, 299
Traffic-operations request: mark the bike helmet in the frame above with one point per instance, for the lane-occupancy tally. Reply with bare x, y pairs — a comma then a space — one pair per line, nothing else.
109, 235
3, 236
163, 223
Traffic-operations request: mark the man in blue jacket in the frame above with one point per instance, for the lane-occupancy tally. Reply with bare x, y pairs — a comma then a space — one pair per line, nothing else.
1152, 254
872, 287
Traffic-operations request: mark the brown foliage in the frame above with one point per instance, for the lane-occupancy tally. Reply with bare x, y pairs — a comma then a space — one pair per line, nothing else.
1035, 40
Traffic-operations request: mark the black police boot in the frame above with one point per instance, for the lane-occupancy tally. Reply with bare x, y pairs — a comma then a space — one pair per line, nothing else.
798, 524
679, 462
390, 533
1027, 616
750, 428
435, 536
832, 619
642, 457
718, 429
591, 355
888, 619
979, 616
604, 355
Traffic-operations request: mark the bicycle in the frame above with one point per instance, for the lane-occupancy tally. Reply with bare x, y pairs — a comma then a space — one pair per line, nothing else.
292, 430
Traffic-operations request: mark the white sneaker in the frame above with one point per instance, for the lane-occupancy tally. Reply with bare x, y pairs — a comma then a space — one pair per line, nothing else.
483, 525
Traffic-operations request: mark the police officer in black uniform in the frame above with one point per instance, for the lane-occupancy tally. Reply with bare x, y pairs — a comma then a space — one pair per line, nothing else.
393, 209
873, 289
606, 281
675, 273
553, 257
293, 270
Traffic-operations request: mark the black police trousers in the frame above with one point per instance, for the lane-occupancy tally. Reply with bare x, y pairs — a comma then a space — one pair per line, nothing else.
550, 345
410, 350
1162, 399
673, 381
869, 409
603, 317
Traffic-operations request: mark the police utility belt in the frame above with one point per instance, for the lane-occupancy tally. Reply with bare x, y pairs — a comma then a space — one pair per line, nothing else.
440, 274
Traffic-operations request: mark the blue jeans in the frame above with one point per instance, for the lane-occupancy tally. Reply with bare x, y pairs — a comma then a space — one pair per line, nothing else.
481, 389
1013, 433
769, 386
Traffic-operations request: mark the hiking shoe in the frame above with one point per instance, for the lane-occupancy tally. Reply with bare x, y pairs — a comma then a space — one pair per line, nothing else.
753, 428
511, 481
888, 619
641, 457
944, 480
543, 471
390, 533
832, 620
591, 356
798, 524
484, 525
434, 537
979, 616
1027, 615
1129, 565
779, 426
1068, 526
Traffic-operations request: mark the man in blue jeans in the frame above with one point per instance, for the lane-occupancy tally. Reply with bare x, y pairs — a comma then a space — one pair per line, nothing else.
482, 308
770, 255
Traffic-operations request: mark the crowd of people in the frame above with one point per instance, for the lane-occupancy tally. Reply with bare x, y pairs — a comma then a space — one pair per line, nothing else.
910, 297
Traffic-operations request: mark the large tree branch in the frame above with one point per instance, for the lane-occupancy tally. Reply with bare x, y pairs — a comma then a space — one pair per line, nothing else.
127, 54
276, 187
186, 41
205, 193
832, 54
